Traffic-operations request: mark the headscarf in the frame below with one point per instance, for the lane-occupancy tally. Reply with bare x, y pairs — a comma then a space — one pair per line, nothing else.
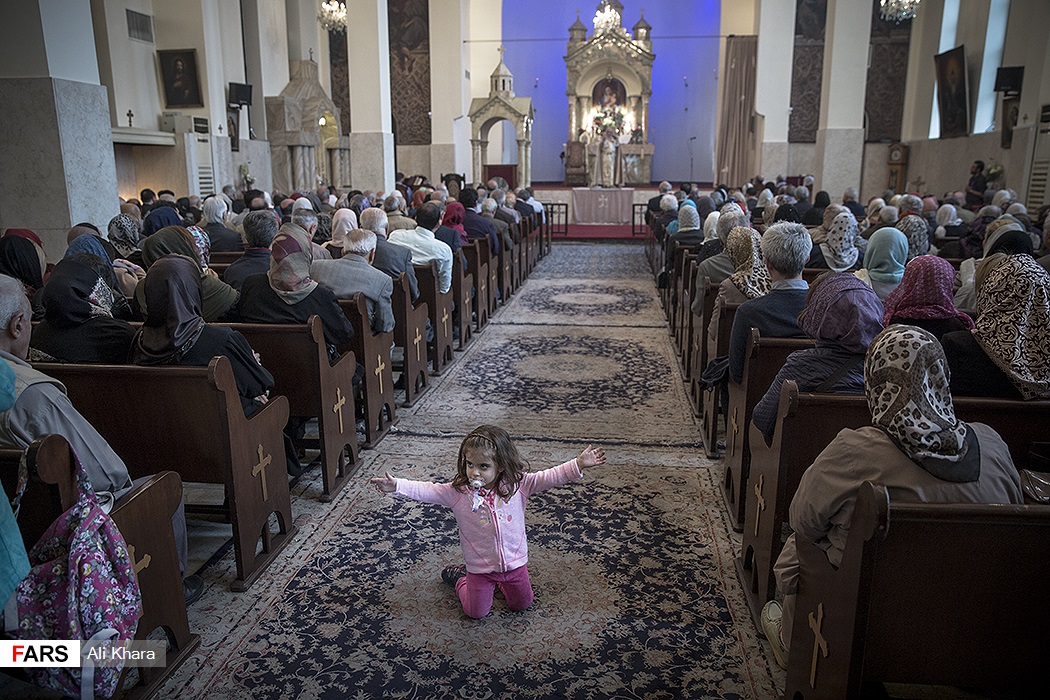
764, 197
92, 245
769, 213
840, 249
343, 222
842, 312
918, 235
124, 234
302, 203
786, 212
170, 240
159, 218
873, 209
925, 292
25, 233
174, 321
711, 227
290, 258
972, 243
886, 255
1006, 235
946, 216
750, 275
1013, 321
85, 229
20, 258
820, 233
1017, 208
202, 245
821, 200
688, 219
906, 381
133, 211
454, 214
704, 206
1001, 197
419, 197
76, 292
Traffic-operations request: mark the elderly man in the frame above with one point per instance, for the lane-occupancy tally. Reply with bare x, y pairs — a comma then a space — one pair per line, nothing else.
719, 267
259, 229
474, 223
652, 209
507, 215
515, 202
424, 246
849, 200
222, 239
354, 273
394, 207
488, 210
389, 257
42, 408
447, 235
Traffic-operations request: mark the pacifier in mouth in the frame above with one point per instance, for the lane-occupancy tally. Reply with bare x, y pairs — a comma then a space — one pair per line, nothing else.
477, 484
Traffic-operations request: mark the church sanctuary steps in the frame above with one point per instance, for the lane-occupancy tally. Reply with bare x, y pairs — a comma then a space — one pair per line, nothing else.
440, 307
297, 357
190, 420
806, 424
373, 352
763, 359
143, 516
910, 604
410, 334
712, 398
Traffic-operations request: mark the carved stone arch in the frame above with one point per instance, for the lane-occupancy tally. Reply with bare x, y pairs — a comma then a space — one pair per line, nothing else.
502, 104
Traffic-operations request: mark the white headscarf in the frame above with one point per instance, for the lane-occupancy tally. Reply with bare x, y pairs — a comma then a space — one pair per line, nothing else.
343, 222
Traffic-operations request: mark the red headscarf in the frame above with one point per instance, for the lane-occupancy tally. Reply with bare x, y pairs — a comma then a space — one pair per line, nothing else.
925, 292
454, 214
24, 233
419, 197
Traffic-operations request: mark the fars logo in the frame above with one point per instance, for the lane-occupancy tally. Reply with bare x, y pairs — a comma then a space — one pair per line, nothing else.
40, 653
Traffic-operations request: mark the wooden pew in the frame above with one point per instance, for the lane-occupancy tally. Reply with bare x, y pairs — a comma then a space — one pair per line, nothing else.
478, 267
934, 594
224, 257
806, 424
762, 361
440, 309
687, 355
190, 420
462, 290
410, 334
810, 274
297, 357
702, 289
373, 352
684, 255
505, 260
143, 517
722, 317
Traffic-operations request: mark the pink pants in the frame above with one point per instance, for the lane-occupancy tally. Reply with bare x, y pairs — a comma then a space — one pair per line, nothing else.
475, 591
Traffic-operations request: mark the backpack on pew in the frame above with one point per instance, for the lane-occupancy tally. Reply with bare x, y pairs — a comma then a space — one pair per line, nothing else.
82, 585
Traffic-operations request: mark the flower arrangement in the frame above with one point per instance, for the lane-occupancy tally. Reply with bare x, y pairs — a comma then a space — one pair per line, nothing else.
995, 172
246, 176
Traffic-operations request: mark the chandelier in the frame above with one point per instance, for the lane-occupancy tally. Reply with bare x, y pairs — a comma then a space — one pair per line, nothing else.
332, 16
898, 10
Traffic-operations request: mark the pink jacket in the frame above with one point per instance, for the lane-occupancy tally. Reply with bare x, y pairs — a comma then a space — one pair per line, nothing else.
493, 536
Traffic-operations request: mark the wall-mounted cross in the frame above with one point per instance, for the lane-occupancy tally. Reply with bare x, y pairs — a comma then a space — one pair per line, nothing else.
379, 371
338, 407
260, 470
130, 115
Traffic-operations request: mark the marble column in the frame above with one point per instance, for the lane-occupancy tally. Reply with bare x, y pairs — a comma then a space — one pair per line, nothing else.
776, 48
523, 164
528, 163
475, 150
840, 134
368, 56
56, 136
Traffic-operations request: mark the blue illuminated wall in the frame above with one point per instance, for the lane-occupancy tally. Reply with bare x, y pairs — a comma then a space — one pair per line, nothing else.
683, 103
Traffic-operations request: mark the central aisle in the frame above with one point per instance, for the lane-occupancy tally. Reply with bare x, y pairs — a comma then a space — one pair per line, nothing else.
636, 594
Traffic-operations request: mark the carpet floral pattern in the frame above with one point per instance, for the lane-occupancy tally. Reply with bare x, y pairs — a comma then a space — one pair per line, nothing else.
636, 592
597, 303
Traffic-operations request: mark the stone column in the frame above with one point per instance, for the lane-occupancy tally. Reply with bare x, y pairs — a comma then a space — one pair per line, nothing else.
449, 86
528, 163
523, 164
475, 150
368, 55
840, 135
56, 135
776, 48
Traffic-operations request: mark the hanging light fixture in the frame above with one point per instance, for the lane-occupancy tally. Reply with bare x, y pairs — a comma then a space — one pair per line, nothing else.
332, 16
898, 10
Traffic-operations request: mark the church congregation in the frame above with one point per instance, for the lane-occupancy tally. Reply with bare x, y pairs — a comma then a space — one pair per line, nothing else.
216, 340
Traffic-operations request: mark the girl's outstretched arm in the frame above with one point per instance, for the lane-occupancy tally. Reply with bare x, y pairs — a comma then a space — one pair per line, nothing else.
591, 457
384, 484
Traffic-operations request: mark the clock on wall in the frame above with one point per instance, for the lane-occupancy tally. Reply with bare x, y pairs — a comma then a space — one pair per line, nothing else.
898, 161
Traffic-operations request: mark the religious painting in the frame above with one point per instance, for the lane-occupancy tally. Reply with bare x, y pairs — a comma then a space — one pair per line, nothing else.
178, 72
233, 128
609, 92
952, 99
1011, 108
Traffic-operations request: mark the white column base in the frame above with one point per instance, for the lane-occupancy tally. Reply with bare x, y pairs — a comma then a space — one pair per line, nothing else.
372, 161
840, 159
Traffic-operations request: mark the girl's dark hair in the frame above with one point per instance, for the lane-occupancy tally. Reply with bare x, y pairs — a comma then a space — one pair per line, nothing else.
510, 467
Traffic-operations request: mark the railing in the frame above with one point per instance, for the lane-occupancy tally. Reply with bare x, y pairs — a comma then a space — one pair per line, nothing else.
638, 225
557, 218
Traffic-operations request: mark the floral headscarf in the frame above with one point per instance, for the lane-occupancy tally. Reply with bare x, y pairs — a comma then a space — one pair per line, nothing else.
124, 234
750, 275
290, 258
202, 244
840, 249
918, 235
925, 292
842, 312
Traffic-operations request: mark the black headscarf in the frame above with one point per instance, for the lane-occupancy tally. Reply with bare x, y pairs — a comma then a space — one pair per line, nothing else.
174, 321
786, 212
19, 259
76, 291
159, 218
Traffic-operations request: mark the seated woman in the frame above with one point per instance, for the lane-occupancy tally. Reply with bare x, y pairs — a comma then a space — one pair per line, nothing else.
842, 315
838, 251
949, 226
915, 446
1007, 355
918, 234
23, 258
924, 298
343, 221
749, 280
219, 298
1005, 235
819, 234
125, 233
175, 332
82, 315
884, 260
123, 276
813, 217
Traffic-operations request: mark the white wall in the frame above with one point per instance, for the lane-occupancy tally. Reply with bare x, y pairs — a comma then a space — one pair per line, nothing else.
486, 22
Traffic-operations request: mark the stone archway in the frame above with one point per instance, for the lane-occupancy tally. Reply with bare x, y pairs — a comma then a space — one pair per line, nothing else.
502, 104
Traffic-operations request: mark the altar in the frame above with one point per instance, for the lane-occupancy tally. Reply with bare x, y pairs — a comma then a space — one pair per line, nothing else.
602, 205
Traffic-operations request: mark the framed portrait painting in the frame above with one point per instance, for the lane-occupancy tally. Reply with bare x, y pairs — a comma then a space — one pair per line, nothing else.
178, 75
952, 97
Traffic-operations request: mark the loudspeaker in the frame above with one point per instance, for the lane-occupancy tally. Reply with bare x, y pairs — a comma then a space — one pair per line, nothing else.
240, 94
1009, 79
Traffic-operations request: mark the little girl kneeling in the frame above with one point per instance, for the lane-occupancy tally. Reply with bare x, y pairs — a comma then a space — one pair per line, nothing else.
488, 499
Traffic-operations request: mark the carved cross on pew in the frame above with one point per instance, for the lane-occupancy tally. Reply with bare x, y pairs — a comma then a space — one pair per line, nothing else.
260, 469
818, 642
759, 501
444, 319
379, 371
466, 302
142, 563
733, 428
416, 342
338, 407
483, 288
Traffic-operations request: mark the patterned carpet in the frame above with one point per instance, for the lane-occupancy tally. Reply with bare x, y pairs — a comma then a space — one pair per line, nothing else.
636, 595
